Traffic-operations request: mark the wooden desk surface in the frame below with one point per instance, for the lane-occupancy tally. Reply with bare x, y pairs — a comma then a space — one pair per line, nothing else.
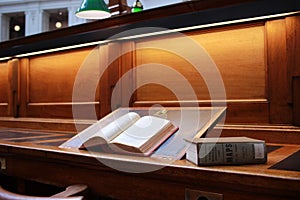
34, 155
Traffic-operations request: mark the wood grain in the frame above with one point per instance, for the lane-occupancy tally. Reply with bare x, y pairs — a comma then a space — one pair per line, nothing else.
104, 85
296, 100
14, 87
278, 72
48, 81
128, 65
38, 123
293, 43
293, 64
239, 55
4, 89
53, 75
256, 62
35, 162
270, 133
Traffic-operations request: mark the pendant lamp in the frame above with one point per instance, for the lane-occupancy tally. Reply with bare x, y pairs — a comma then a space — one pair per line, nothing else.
93, 9
137, 7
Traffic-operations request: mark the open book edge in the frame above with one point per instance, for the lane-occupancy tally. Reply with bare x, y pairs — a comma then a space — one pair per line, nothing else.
98, 143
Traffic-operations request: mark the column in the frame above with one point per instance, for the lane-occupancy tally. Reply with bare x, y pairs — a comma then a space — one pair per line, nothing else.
33, 21
45, 21
4, 27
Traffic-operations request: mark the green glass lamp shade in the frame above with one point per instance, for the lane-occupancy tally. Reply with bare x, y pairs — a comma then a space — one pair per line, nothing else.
93, 9
137, 7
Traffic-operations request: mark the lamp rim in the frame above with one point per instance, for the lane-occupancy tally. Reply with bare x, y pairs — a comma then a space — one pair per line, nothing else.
93, 14
93, 9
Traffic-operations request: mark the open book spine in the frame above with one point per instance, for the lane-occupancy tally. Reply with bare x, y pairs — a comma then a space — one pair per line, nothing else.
147, 151
167, 134
227, 153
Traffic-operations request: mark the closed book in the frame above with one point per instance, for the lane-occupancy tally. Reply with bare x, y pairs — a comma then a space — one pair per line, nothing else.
226, 151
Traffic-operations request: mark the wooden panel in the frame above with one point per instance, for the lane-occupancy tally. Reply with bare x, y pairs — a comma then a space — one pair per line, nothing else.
293, 44
48, 80
293, 64
232, 50
14, 87
116, 90
296, 100
114, 70
239, 54
110, 62
279, 89
54, 75
104, 82
291, 40
3, 89
127, 64
297, 46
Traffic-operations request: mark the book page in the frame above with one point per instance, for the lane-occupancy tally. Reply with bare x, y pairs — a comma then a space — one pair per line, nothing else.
140, 132
107, 132
113, 129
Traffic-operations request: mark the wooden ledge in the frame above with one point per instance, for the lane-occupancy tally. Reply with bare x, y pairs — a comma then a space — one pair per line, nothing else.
286, 134
45, 123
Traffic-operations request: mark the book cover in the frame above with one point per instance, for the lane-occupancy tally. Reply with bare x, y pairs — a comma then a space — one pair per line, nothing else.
226, 151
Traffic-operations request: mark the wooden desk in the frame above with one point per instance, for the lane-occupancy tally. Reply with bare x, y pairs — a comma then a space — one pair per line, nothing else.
34, 158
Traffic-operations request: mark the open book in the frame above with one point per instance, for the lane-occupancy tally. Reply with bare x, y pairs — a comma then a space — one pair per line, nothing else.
129, 133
